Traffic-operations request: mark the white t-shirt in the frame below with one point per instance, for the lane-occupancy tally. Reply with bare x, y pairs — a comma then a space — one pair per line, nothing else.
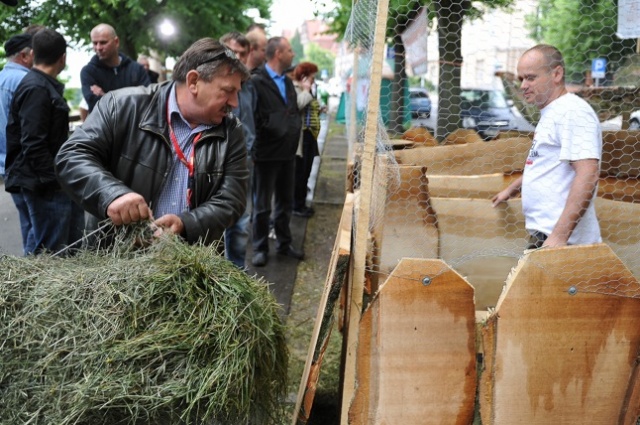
569, 130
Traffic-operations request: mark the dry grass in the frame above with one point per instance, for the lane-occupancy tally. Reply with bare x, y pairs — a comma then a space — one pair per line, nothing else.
170, 334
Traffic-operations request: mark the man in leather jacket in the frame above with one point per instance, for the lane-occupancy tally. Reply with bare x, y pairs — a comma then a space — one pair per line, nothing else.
129, 163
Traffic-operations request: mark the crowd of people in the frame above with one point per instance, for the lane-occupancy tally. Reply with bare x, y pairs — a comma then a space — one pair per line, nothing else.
223, 151
220, 154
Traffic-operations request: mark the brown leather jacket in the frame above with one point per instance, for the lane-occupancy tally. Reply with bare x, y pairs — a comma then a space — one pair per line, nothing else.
124, 147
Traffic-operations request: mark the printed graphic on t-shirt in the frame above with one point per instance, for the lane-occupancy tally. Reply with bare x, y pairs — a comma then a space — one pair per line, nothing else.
533, 152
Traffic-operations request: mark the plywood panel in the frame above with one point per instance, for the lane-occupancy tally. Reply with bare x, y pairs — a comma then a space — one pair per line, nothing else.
481, 242
566, 340
408, 227
619, 224
416, 356
498, 156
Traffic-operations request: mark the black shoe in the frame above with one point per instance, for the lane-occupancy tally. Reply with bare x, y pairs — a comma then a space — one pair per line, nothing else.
304, 212
259, 259
292, 252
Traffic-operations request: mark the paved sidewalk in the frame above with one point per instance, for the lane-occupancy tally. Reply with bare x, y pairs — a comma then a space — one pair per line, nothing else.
281, 271
10, 237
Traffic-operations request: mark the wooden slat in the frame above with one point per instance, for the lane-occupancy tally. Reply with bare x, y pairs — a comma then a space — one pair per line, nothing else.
416, 357
566, 340
355, 301
324, 318
498, 156
619, 189
621, 153
478, 186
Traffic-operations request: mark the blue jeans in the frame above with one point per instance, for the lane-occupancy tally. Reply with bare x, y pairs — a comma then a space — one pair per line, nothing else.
25, 222
236, 239
53, 219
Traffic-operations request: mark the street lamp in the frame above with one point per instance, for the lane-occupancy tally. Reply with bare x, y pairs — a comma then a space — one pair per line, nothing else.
166, 31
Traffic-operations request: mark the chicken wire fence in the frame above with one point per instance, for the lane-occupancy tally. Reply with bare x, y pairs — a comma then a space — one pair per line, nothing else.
427, 177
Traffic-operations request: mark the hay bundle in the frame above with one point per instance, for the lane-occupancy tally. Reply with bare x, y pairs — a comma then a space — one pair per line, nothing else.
171, 335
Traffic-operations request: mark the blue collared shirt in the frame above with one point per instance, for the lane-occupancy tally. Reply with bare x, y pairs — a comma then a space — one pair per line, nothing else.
10, 78
173, 197
279, 80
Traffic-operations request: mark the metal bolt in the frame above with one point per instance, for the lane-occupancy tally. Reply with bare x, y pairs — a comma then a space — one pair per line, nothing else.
426, 281
573, 290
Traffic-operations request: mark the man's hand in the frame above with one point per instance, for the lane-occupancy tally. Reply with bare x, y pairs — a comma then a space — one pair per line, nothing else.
507, 193
97, 90
169, 223
129, 208
502, 196
554, 241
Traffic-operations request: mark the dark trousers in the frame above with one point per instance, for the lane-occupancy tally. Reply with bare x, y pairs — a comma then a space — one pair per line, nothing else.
304, 165
272, 179
53, 221
536, 239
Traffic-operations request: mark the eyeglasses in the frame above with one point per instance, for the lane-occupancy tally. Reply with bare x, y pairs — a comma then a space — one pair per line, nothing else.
225, 52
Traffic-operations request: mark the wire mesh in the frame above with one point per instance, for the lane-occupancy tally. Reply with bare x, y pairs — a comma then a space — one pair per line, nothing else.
456, 123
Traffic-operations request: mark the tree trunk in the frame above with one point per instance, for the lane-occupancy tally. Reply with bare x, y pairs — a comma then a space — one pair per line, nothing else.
450, 15
398, 106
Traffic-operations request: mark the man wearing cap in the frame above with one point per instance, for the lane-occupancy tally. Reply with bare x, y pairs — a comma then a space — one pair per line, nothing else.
19, 61
109, 69
18, 52
38, 125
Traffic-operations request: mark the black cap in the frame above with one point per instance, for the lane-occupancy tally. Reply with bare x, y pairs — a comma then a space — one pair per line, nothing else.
10, 2
17, 43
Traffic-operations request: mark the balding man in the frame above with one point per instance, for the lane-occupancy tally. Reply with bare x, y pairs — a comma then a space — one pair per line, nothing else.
257, 54
561, 173
109, 69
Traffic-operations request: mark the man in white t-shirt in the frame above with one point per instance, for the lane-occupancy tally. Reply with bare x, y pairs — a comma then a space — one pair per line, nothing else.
560, 177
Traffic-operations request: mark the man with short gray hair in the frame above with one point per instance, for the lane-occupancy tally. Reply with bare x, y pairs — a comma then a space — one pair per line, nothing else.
560, 178
169, 152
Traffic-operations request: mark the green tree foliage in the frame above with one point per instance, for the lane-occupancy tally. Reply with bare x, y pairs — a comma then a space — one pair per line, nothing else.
297, 47
136, 21
321, 57
582, 30
449, 15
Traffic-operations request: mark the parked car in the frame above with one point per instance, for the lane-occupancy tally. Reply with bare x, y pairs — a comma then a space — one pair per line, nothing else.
615, 123
419, 102
634, 120
487, 111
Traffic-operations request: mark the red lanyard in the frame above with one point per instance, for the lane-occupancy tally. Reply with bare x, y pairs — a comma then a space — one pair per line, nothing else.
187, 163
